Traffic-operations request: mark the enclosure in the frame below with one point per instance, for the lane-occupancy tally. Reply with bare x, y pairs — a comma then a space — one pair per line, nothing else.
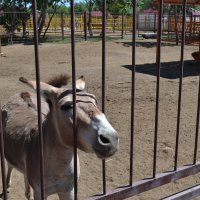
56, 58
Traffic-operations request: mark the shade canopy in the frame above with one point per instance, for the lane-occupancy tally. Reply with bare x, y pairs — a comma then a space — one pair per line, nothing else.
180, 2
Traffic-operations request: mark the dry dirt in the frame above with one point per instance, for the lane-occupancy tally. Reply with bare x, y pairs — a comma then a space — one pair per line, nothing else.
56, 58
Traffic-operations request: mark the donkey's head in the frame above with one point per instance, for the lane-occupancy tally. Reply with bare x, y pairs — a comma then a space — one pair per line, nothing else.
95, 134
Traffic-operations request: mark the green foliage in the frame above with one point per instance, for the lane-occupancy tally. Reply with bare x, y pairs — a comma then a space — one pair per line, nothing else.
115, 6
80, 7
12, 22
145, 4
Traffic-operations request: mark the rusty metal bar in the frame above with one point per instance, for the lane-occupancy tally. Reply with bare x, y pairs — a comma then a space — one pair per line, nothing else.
158, 64
133, 93
37, 70
148, 184
189, 193
74, 96
180, 85
197, 128
3, 169
104, 81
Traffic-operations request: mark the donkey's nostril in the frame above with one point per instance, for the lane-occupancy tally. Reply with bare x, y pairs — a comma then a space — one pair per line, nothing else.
104, 140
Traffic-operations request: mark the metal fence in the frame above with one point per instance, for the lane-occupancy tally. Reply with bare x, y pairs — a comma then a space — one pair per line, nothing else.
132, 188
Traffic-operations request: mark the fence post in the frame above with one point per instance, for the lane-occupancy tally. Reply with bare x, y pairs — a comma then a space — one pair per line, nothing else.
24, 24
155, 22
191, 20
0, 47
122, 25
194, 29
62, 26
85, 26
3, 171
176, 26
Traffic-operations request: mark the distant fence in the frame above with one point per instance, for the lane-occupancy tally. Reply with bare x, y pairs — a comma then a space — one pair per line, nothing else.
17, 26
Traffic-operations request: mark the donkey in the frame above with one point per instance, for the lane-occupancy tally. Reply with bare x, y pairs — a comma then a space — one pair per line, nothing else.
94, 134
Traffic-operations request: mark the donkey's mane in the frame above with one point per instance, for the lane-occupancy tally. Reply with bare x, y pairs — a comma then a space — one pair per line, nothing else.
59, 80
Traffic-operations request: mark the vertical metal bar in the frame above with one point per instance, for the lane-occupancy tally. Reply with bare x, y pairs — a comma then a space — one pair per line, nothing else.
74, 95
180, 84
104, 81
133, 93
3, 171
197, 128
85, 26
37, 70
158, 64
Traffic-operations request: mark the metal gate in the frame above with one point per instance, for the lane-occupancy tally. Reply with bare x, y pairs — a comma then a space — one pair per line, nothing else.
132, 188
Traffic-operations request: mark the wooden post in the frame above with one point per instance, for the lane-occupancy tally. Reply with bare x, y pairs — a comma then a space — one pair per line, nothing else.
176, 26
0, 47
155, 22
62, 26
122, 25
191, 22
194, 24
85, 26
199, 42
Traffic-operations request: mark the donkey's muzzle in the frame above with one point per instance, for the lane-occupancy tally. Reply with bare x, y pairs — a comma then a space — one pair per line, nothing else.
106, 145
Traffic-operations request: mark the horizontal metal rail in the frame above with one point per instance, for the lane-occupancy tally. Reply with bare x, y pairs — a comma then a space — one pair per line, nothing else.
185, 194
149, 183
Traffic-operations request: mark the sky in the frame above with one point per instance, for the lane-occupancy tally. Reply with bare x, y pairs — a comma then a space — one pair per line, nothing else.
76, 1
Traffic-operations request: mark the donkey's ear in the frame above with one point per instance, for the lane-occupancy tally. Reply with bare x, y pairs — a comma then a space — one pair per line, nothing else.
80, 83
46, 90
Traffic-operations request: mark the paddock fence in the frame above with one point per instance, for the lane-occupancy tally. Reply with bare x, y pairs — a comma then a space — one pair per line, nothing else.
19, 27
132, 188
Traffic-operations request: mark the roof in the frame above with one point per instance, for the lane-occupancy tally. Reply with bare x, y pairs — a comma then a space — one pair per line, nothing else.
191, 2
98, 14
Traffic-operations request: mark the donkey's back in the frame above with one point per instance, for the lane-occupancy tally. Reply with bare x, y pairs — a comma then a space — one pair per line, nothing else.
20, 127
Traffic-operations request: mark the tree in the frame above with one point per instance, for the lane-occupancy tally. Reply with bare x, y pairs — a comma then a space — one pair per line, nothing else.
80, 7
145, 4
13, 21
90, 4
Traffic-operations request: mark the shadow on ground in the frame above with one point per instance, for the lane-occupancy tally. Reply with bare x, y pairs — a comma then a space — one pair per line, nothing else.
169, 70
146, 44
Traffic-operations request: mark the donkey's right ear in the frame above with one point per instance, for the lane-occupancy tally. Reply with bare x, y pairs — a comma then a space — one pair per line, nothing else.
46, 90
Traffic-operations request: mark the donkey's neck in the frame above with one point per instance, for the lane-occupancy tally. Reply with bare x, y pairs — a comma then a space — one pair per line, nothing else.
54, 148
53, 133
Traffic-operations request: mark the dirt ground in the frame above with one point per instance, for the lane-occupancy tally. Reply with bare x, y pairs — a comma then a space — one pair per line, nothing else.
56, 58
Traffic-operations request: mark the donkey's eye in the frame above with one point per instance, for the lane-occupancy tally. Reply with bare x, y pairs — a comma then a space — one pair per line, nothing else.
67, 106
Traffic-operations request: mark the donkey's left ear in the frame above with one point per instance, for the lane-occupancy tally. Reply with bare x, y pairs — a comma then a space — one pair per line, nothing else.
80, 83
47, 91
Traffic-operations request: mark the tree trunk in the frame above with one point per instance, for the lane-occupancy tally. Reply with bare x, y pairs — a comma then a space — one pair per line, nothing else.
48, 24
41, 20
90, 19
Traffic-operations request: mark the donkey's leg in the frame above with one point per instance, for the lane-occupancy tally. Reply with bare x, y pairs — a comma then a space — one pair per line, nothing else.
8, 179
28, 189
37, 195
67, 195
8, 176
